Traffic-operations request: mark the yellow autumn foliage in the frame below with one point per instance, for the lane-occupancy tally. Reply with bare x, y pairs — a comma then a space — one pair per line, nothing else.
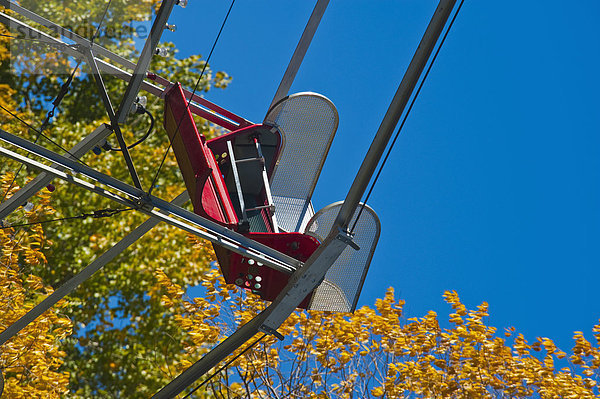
30, 361
377, 352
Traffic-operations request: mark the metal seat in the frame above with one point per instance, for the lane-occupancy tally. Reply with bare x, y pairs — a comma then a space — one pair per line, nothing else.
343, 282
240, 166
308, 122
201, 174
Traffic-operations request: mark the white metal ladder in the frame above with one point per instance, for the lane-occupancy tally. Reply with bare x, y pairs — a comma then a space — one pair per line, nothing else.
236, 177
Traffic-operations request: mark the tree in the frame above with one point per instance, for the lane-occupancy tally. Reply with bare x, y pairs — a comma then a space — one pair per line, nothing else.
376, 352
122, 343
30, 362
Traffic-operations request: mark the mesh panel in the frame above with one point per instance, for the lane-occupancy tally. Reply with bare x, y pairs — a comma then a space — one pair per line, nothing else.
344, 280
308, 122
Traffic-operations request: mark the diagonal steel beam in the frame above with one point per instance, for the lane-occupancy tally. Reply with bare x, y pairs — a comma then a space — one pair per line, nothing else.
300, 52
308, 277
79, 40
141, 68
43, 179
134, 197
394, 112
199, 105
134, 83
84, 274
113, 118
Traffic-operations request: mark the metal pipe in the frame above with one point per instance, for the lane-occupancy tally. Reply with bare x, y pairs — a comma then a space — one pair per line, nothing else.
200, 106
209, 230
300, 52
113, 118
158, 26
265, 177
82, 41
395, 110
211, 359
84, 274
43, 179
306, 278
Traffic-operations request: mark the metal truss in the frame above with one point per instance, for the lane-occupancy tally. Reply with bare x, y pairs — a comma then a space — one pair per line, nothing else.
305, 277
149, 204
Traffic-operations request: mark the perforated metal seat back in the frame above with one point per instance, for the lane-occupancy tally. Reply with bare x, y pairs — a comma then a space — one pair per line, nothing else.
308, 122
343, 282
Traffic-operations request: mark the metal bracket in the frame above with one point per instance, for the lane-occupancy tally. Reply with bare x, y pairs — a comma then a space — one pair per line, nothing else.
144, 203
187, 220
306, 279
347, 237
271, 331
44, 179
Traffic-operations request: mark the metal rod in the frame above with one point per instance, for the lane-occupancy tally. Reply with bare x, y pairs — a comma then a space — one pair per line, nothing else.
84, 274
227, 238
300, 52
278, 311
395, 110
250, 160
307, 278
256, 208
113, 119
211, 359
43, 179
201, 227
265, 178
158, 26
82, 41
200, 106
236, 179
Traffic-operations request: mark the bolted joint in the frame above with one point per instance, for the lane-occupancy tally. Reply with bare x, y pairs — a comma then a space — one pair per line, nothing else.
347, 238
271, 331
144, 203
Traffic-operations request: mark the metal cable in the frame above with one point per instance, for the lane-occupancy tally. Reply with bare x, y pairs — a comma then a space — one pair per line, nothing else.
109, 147
190, 100
100, 213
64, 88
40, 133
224, 366
362, 207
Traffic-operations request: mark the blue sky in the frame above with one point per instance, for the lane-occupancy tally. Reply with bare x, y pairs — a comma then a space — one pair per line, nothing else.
493, 188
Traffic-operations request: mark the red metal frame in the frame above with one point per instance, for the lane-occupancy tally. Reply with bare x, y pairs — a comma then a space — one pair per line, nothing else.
211, 111
197, 163
243, 272
211, 199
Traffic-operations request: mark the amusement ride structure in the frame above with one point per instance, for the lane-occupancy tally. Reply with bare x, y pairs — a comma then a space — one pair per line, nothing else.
251, 188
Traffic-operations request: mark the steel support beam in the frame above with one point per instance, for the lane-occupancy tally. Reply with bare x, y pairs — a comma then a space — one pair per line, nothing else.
43, 179
77, 51
309, 276
211, 359
113, 118
199, 106
267, 321
79, 40
395, 110
134, 197
84, 274
300, 52
158, 26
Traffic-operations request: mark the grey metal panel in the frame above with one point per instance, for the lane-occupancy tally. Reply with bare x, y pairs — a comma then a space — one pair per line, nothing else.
308, 122
343, 282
